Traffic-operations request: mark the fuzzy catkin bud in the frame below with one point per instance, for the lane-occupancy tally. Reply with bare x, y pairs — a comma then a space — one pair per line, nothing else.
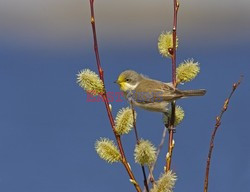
90, 82
145, 153
107, 150
124, 121
179, 116
165, 183
187, 71
165, 43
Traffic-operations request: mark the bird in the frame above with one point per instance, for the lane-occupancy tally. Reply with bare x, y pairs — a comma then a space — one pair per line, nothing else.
151, 94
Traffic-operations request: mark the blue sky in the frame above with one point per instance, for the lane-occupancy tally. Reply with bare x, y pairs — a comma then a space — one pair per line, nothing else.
48, 129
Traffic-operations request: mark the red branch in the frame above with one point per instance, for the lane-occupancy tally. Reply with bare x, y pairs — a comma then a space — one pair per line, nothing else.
176, 7
104, 96
217, 125
172, 120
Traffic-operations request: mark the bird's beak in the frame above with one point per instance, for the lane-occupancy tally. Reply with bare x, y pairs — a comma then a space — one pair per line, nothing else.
117, 82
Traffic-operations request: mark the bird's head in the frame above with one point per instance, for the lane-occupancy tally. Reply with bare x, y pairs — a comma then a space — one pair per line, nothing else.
128, 80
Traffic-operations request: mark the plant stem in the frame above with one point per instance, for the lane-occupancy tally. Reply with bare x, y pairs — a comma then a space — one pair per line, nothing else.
217, 125
176, 7
104, 96
172, 120
138, 142
150, 176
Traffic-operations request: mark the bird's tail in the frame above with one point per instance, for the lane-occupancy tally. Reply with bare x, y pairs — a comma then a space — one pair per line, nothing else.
199, 92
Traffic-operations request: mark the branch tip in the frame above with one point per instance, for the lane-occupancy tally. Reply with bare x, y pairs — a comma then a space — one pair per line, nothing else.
217, 124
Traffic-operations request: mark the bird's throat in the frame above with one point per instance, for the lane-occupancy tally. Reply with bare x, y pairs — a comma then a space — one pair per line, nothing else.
127, 87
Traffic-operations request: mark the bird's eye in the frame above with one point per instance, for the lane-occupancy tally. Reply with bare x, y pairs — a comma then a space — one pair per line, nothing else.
127, 80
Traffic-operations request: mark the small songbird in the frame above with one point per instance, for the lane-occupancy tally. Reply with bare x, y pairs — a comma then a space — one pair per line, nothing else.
151, 94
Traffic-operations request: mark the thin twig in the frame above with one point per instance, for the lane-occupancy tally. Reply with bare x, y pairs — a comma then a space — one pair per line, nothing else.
150, 176
172, 120
217, 125
104, 96
138, 142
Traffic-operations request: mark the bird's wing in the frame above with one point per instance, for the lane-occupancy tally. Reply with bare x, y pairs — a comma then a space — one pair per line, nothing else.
155, 91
